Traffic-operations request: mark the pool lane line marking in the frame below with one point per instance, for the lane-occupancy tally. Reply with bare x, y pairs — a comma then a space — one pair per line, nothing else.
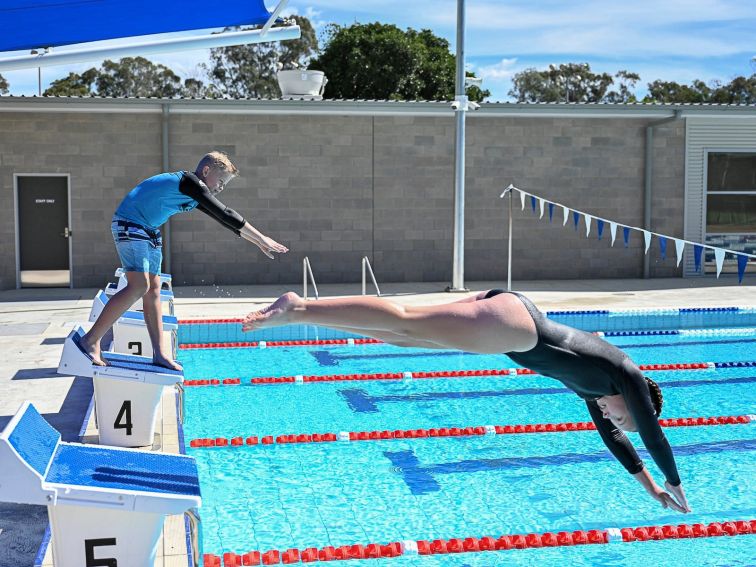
480, 430
606, 536
301, 378
738, 331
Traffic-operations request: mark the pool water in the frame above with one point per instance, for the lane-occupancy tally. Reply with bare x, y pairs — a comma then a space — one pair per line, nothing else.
315, 495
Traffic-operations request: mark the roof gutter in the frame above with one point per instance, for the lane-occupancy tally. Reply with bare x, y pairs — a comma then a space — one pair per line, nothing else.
647, 183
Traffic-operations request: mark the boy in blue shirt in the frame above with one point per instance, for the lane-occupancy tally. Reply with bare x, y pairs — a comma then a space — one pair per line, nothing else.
139, 243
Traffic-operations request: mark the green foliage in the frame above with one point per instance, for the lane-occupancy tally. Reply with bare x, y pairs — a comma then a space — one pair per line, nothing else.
136, 76
740, 90
74, 84
249, 71
380, 61
129, 77
3, 85
572, 82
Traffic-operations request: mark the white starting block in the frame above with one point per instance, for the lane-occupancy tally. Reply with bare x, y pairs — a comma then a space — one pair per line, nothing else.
166, 296
127, 391
130, 334
166, 280
106, 506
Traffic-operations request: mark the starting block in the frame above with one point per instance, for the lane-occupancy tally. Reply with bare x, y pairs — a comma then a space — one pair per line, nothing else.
166, 296
127, 391
106, 505
130, 334
166, 280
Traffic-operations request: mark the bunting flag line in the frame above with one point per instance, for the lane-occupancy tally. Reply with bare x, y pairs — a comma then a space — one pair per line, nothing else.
720, 254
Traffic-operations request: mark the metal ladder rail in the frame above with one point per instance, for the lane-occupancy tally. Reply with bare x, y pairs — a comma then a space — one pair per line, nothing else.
366, 267
307, 271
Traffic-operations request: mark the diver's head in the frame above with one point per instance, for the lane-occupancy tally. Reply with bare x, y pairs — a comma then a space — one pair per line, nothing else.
615, 409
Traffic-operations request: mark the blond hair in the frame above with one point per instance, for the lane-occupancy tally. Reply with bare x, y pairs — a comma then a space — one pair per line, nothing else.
217, 160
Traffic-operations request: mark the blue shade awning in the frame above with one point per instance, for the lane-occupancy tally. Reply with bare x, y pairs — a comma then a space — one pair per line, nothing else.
30, 24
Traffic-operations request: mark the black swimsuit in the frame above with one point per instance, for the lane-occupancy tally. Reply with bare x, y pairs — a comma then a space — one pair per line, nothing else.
591, 367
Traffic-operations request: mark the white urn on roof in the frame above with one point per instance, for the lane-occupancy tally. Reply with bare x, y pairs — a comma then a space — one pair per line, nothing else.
301, 83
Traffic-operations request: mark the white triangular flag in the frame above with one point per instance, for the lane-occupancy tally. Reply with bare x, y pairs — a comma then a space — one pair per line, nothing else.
613, 230
522, 201
588, 219
566, 214
719, 255
679, 246
541, 201
647, 238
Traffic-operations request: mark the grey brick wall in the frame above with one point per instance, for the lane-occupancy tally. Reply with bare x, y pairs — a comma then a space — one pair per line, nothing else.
336, 188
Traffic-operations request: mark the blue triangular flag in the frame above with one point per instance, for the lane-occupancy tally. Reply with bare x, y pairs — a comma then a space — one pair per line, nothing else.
663, 247
626, 235
533, 203
742, 261
576, 218
697, 250
600, 226
551, 211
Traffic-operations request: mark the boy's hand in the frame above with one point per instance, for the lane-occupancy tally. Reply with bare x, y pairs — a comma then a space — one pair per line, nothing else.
269, 246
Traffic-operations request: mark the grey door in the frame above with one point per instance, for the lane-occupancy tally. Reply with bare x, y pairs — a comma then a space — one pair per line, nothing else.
43, 232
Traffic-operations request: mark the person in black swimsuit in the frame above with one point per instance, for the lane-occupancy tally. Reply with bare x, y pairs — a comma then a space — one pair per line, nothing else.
619, 398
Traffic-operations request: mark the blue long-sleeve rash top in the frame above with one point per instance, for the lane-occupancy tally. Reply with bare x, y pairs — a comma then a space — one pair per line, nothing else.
156, 199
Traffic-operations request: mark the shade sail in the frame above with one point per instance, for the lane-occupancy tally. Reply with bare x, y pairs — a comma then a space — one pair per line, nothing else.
30, 24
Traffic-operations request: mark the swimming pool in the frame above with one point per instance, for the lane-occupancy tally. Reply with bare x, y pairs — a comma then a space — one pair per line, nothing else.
442, 481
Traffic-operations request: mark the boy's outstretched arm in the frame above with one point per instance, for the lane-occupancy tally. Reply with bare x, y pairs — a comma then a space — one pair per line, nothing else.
264, 243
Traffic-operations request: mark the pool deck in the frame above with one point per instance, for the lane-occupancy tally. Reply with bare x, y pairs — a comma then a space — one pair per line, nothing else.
34, 323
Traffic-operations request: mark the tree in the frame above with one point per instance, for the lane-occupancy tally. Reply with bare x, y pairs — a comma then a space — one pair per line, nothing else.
249, 71
137, 77
129, 77
740, 90
380, 61
572, 82
73, 85
3, 85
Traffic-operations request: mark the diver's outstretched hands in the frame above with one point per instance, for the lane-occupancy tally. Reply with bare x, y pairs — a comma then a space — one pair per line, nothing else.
679, 495
667, 500
280, 312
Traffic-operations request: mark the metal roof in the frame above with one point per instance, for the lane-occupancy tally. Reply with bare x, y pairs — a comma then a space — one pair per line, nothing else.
99, 104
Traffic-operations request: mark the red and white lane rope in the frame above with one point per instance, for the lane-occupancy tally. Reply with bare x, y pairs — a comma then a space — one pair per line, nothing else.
481, 544
264, 344
301, 378
382, 435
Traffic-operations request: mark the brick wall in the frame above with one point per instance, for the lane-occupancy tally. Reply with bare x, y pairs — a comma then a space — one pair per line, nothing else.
336, 188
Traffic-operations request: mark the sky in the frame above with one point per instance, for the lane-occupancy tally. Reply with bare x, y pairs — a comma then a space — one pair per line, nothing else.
671, 40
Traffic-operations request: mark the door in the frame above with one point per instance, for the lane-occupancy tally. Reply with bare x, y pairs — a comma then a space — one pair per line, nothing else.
44, 258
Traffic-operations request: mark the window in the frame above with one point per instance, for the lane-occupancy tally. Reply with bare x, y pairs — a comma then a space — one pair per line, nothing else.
730, 206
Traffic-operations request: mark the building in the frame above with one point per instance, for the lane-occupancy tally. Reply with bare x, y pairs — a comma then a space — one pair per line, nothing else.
339, 180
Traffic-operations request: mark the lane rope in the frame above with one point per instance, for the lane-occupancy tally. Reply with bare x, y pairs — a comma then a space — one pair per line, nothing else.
386, 434
303, 379
611, 535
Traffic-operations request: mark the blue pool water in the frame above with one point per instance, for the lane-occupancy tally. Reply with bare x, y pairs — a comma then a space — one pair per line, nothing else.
313, 495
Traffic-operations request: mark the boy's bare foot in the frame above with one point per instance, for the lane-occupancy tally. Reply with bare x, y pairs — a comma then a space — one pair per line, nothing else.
93, 351
160, 360
275, 314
